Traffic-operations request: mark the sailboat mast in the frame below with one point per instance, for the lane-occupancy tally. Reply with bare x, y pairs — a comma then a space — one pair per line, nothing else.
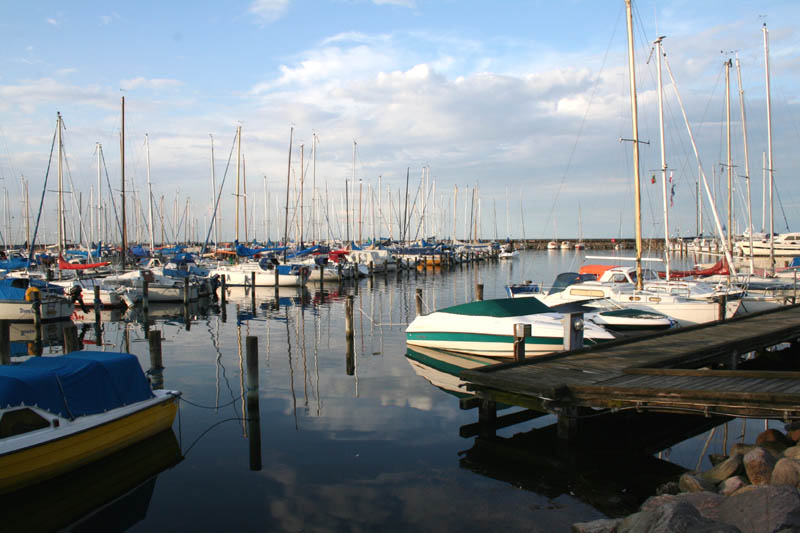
746, 161
99, 193
149, 195
302, 178
60, 191
266, 212
635, 124
455, 212
122, 166
244, 198
663, 155
314, 221
213, 195
769, 152
288, 181
728, 140
238, 174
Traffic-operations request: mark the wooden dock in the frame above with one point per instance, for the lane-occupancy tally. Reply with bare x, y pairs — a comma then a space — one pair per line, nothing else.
662, 373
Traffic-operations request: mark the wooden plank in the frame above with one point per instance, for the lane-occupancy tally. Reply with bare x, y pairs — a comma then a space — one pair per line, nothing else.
774, 374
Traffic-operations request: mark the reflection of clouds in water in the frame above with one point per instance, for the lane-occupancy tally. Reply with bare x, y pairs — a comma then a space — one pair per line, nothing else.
435, 501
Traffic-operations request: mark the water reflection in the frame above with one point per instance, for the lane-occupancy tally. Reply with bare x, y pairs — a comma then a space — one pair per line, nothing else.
111, 494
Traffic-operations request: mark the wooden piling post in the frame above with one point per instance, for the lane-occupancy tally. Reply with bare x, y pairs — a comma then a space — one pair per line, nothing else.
97, 303
479, 291
722, 306
251, 347
253, 290
573, 331
567, 425
521, 332
277, 277
37, 316
71, 339
185, 292
371, 268
156, 365
487, 416
222, 296
145, 296
339, 271
321, 271
5, 343
419, 302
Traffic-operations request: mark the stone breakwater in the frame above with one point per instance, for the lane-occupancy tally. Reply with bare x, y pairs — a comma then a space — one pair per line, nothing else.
754, 489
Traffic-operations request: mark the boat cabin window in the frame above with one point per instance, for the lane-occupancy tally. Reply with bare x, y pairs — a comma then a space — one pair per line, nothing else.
620, 278
649, 275
20, 421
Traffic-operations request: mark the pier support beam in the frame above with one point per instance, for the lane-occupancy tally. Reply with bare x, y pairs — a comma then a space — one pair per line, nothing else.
156, 367
573, 331
349, 331
479, 291
567, 428
419, 302
253, 408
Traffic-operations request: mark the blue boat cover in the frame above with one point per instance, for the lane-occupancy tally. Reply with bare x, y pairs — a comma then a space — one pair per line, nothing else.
76, 384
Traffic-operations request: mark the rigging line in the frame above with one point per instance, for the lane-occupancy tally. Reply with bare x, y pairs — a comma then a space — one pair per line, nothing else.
583, 124
81, 230
780, 203
41, 200
203, 434
113, 202
219, 195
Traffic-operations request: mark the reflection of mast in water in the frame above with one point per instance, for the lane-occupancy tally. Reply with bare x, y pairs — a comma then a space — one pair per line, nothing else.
300, 327
317, 320
291, 368
241, 373
361, 321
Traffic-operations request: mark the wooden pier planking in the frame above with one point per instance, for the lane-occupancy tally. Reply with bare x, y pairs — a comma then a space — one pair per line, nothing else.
657, 372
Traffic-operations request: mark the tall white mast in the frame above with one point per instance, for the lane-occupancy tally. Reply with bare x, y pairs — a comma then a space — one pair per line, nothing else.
60, 191
769, 153
149, 195
663, 156
746, 161
729, 163
99, 193
213, 195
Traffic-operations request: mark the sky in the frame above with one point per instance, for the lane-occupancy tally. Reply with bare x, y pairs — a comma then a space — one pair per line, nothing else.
523, 102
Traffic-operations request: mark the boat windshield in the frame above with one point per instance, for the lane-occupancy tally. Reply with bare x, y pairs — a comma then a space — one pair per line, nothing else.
565, 279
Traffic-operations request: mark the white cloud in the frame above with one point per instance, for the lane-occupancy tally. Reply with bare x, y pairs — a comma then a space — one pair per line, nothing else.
66, 71
53, 22
149, 83
399, 3
267, 11
106, 19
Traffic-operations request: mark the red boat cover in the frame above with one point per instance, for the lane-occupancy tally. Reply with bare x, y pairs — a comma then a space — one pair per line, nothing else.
720, 267
63, 265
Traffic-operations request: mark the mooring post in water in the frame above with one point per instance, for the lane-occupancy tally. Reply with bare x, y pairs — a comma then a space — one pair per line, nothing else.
97, 303
573, 331
371, 268
5, 343
156, 367
348, 333
71, 339
251, 347
277, 281
145, 296
339, 272
253, 410
419, 302
479, 291
722, 303
185, 292
567, 424
521, 332
253, 291
487, 417
37, 316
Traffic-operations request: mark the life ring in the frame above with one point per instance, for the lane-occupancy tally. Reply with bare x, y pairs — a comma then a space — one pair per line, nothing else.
30, 292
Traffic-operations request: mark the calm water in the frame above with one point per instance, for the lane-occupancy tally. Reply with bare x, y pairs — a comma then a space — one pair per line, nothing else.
375, 450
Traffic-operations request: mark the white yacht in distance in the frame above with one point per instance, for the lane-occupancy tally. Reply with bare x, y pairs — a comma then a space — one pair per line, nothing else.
784, 245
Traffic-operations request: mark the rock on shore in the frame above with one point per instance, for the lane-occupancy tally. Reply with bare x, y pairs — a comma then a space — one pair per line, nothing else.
754, 490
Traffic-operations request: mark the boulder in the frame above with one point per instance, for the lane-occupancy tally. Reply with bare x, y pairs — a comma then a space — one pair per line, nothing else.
724, 470
772, 438
793, 434
732, 484
793, 452
758, 463
694, 483
764, 508
741, 448
672, 517
786, 472
670, 487
604, 525
716, 458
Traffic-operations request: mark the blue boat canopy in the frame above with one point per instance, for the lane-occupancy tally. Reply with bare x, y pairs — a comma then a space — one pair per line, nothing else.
76, 384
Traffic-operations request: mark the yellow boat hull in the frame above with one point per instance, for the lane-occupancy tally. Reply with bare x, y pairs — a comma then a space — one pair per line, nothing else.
51, 458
